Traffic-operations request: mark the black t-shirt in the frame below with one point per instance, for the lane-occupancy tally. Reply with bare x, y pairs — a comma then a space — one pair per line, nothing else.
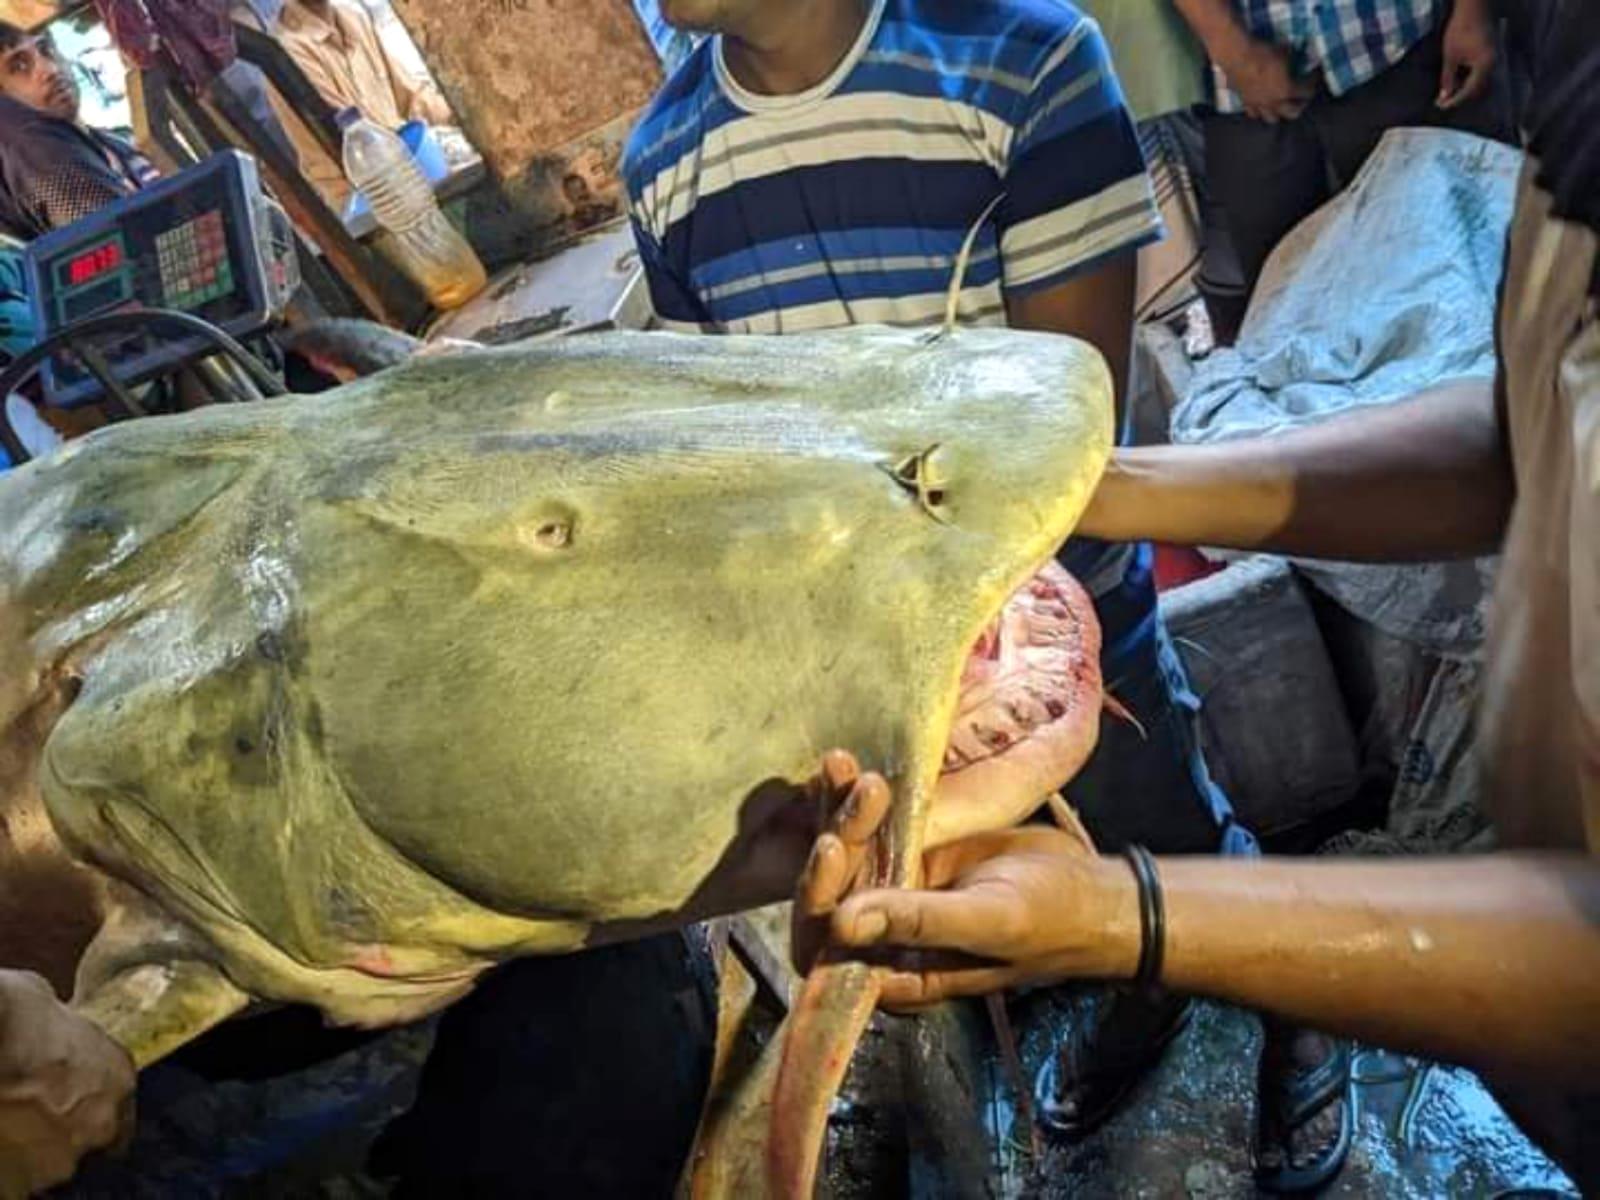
54, 172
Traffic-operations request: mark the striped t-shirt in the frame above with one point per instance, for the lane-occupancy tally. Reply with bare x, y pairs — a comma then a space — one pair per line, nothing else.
847, 204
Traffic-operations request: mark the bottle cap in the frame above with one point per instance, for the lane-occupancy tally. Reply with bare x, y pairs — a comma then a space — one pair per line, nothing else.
347, 117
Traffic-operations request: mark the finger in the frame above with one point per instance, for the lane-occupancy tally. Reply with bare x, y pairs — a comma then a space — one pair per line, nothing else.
1288, 110
858, 825
863, 811
839, 772
907, 991
1449, 73
826, 877
823, 882
977, 921
1473, 86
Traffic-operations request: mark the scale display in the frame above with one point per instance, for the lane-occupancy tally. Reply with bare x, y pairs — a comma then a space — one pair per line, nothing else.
87, 268
202, 242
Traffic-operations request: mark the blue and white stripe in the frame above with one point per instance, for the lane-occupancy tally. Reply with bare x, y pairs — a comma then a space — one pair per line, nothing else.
848, 204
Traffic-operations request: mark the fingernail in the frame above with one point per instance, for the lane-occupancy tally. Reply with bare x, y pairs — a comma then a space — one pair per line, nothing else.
871, 925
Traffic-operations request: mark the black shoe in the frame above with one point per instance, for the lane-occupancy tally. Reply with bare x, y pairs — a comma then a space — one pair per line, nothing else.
1101, 1059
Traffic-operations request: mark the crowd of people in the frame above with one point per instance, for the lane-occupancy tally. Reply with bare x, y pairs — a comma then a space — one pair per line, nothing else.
816, 165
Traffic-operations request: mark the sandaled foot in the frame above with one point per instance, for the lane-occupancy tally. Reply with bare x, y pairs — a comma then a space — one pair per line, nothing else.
1306, 1114
1102, 1058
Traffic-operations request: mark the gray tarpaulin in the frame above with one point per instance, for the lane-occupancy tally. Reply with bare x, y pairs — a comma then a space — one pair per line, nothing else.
1385, 291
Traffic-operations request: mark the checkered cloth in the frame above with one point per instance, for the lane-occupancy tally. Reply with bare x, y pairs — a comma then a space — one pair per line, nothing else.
1344, 42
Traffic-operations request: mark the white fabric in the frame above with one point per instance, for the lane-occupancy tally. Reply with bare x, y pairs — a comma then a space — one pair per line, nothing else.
1383, 292
36, 437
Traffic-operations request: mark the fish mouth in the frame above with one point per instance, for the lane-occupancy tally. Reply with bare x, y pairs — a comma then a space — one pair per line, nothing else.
1028, 711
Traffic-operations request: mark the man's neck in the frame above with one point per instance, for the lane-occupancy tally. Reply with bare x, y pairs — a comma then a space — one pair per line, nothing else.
313, 13
797, 47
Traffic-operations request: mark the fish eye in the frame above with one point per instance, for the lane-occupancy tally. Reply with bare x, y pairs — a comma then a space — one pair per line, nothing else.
554, 534
916, 474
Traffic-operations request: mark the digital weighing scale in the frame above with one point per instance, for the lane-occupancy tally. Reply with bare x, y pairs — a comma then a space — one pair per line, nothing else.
207, 241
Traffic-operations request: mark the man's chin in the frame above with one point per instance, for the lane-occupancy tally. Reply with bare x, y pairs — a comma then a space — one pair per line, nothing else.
691, 16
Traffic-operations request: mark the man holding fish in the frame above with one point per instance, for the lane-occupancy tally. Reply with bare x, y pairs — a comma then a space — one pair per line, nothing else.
1492, 961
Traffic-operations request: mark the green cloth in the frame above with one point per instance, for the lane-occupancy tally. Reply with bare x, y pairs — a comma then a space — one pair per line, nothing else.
1161, 64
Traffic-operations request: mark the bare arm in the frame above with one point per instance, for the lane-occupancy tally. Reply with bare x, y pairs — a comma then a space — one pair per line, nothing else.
1216, 24
1490, 961
1097, 307
1426, 479
1259, 71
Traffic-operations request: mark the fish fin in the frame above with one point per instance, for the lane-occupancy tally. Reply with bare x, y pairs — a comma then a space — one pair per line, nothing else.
766, 1118
817, 1044
728, 1157
359, 348
142, 982
959, 274
1117, 709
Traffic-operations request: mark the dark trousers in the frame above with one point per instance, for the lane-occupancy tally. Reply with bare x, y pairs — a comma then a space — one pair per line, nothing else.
579, 1075
1262, 180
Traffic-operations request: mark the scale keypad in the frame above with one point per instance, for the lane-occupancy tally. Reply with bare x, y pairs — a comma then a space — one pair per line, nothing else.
194, 262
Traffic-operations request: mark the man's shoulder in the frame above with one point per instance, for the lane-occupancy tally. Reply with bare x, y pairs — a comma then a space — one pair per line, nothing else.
21, 120
1015, 26
26, 131
673, 120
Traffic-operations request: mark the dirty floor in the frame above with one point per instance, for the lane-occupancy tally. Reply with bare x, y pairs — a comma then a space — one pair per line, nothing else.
1185, 1132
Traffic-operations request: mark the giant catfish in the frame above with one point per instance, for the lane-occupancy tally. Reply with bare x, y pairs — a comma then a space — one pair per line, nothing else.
343, 699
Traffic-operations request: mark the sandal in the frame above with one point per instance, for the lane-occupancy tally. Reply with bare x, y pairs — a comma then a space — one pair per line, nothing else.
1101, 1059
1301, 1097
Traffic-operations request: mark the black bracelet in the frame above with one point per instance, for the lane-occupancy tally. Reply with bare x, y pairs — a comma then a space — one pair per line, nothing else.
1152, 916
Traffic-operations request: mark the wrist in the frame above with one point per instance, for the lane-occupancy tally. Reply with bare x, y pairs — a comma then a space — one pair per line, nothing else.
1117, 940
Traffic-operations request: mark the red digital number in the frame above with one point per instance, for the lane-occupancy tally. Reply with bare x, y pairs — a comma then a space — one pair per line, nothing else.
95, 263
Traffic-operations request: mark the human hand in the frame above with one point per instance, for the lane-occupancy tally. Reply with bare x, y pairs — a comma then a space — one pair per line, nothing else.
784, 825
1260, 72
1002, 909
855, 804
66, 1088
1468, 48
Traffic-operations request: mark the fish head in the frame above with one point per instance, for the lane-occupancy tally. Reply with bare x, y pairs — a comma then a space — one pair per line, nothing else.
674, 570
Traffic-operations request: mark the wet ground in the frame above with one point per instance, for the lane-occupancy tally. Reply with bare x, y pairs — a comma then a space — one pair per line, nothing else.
911, 1122
1186, 1131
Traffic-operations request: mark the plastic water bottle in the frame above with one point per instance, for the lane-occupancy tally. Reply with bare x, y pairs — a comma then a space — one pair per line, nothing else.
379, 166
